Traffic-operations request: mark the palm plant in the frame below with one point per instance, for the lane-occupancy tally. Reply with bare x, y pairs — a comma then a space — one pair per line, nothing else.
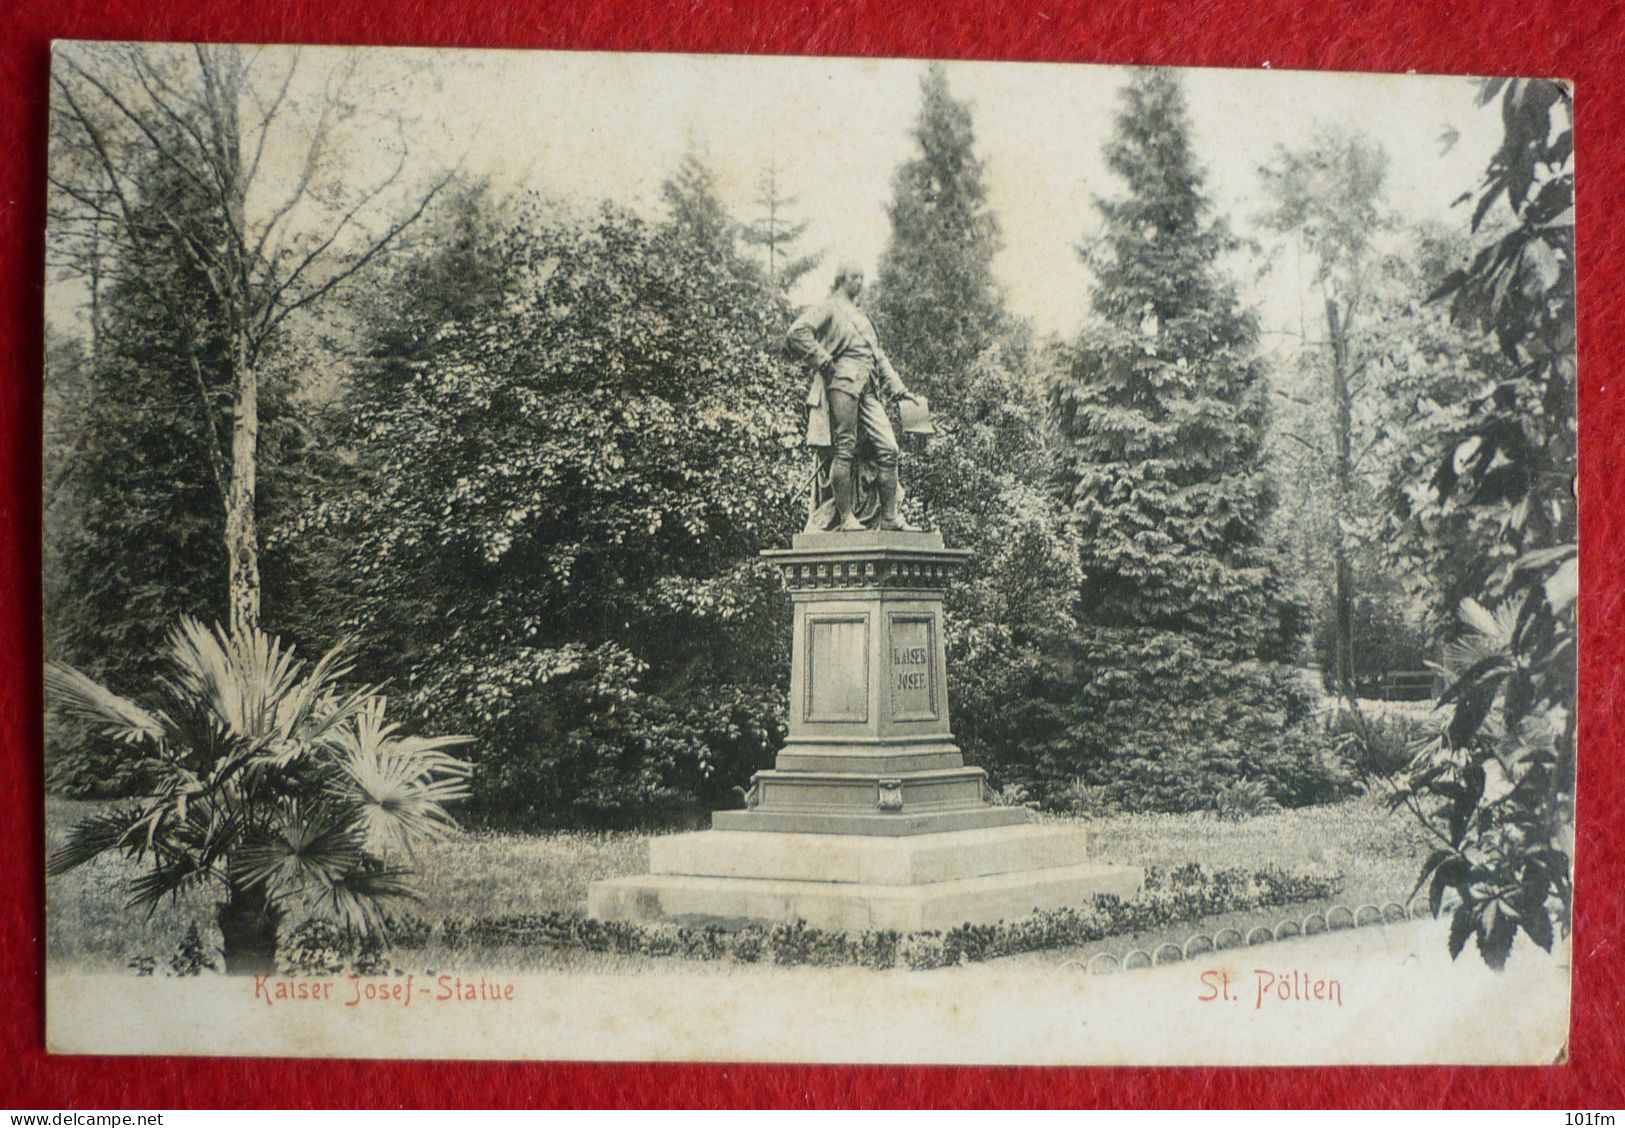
274, 785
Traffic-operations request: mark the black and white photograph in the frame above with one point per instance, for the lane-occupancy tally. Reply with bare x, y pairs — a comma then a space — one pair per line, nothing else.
570, 555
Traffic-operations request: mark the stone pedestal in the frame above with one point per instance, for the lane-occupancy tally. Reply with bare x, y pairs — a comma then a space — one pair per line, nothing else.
869, 818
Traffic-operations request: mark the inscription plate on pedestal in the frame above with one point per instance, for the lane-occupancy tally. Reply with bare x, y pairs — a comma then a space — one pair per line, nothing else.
911, 667
837, 668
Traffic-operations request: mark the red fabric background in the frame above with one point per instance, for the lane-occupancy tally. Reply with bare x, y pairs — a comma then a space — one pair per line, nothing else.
1582, 40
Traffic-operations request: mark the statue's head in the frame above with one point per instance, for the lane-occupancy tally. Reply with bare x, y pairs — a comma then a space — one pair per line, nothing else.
848, 279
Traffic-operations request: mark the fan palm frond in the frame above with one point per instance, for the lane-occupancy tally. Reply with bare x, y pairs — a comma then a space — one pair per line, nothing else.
94, 836
171, 874
307, 851
271, 776
315, 705
85, 699
1489, 635
399, 787
360, 899
255, 690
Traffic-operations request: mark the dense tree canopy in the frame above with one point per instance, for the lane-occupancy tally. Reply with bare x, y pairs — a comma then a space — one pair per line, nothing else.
1497, 788
565, 489
527, 469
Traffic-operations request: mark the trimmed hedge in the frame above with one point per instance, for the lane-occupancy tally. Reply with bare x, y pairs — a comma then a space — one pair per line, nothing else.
1170, 896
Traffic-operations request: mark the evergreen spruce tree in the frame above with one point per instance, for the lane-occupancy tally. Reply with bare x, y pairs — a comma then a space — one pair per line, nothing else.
693, 207
136, 527
142, 541
1183, 692
776, 232
984, 480
935, 301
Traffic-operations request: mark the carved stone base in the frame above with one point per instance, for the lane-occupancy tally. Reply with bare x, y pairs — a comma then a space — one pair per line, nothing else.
936, 881
868, 823
950, 789
869, 818
863, 860
881, 757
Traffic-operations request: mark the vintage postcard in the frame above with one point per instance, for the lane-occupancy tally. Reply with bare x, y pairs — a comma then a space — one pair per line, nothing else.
586, 556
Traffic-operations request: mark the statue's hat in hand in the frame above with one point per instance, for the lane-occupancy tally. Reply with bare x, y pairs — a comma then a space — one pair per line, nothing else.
916, 415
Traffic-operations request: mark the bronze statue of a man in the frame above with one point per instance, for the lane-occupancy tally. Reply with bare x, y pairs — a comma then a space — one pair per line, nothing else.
847, 414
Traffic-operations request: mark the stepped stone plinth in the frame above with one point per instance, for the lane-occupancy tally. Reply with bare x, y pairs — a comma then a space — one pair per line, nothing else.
869, 818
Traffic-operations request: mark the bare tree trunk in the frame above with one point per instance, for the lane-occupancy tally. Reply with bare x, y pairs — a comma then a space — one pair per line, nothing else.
96, 293
258, 274
773, 227
1343, 473
223, 77
242, 538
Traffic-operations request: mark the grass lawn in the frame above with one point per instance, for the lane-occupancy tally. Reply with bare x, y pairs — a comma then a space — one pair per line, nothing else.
1378, 852
482, 874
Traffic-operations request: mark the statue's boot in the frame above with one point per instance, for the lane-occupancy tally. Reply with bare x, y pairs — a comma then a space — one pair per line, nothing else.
840, 480
890, 518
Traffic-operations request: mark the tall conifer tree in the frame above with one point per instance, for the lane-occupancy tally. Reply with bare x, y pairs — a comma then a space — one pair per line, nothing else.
1164, 410
693, 207
776, 231
984, 481
1186, 621
935, 301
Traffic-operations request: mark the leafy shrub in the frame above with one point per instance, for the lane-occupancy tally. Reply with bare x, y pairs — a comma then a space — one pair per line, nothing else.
1377, 745
577, 471
1243, 800
371, 955
923, 951
1159, 723
319, 947
1183, 893
454, 933
1498, 786
1277, 886
747, 947
797, 943
877, 950
191, 958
